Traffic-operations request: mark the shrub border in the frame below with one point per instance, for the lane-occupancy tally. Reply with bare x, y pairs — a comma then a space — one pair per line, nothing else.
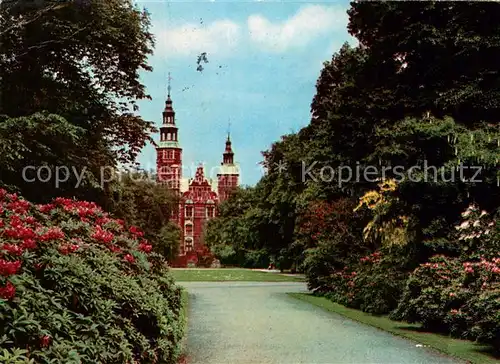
457, 348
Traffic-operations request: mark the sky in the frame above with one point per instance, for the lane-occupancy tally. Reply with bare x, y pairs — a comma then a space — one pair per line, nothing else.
264, 59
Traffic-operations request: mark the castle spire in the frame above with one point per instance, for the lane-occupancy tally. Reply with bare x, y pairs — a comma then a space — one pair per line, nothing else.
168, 103
228, 155
169, 88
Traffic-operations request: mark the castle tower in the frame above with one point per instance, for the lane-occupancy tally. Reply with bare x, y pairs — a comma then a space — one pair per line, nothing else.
228, 177
168, 151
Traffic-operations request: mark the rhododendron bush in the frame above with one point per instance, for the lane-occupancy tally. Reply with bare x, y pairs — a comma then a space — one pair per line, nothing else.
460, 295
78, 286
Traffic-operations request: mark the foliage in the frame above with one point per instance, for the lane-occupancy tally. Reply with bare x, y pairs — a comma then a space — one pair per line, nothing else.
144, 203
70, 85
332, 240
417, 101
77, 286
461, 298
460, 295
373, 284
385, 228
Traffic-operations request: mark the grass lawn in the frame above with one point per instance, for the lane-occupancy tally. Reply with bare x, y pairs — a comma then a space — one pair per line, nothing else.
229, 274
462, 349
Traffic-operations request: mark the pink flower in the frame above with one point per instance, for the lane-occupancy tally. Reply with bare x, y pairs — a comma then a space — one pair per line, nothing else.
454, 312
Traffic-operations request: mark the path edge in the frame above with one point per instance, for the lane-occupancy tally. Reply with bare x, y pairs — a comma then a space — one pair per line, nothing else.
440, 351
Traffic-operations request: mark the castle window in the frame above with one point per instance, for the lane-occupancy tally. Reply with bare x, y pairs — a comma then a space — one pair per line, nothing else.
189, 211
210, 211
189, 229
189, 244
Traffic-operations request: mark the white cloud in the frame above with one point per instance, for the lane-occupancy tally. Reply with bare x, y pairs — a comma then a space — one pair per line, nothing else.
308, 23
192, 39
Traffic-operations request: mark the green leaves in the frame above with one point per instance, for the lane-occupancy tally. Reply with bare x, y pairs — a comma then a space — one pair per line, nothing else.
70, 84
15, 356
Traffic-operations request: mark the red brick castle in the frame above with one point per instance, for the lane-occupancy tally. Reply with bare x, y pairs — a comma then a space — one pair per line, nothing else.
199, 196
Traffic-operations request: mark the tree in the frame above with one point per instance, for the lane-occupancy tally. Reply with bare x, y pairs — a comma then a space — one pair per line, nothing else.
80, 61
442, 54
142, 202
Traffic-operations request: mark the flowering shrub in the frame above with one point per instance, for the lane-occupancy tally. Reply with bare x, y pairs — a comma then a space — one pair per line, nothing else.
478, 234
373, 285
460, 295
77, 286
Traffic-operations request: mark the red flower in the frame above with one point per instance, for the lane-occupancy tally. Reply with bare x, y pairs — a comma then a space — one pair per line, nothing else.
114, 249
9, 268
68, 248
45, 341
146, 248
20, 206
46, 208
19, 232
8, 292
30, 220
129, 258
134, 230
54, 233
13, 197
29, 244
13, 249
102, 235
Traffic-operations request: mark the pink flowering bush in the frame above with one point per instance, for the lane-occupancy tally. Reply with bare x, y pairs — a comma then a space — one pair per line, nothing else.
77, 286
460, 295
372, 285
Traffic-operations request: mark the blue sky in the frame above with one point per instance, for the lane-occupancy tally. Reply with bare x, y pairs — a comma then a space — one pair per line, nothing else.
264, 60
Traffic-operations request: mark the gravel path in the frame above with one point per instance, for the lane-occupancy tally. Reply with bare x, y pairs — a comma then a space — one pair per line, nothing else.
256, 323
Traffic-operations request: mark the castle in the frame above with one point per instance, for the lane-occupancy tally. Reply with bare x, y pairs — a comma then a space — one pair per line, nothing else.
198, 196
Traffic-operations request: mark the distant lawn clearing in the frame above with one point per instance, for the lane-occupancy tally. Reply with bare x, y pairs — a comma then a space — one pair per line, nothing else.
229, 274
461, 349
